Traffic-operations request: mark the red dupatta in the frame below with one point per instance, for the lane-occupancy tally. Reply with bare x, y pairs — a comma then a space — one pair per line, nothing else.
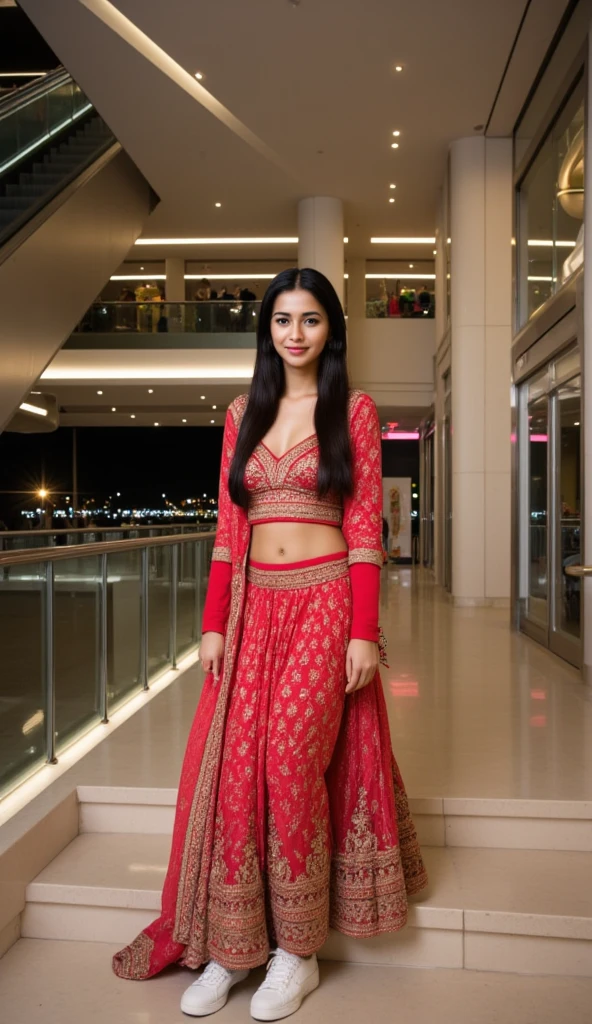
376, 861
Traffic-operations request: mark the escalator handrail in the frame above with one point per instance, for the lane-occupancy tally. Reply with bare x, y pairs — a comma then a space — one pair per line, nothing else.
11, 104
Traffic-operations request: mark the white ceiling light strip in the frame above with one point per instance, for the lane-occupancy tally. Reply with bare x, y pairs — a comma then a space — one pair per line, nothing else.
217, 241
401, 277
549, 243
402, 241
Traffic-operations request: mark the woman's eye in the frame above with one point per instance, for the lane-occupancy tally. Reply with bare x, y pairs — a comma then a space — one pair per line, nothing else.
312, 322
281, 320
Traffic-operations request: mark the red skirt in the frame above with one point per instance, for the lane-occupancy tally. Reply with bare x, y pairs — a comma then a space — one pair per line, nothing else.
309, 824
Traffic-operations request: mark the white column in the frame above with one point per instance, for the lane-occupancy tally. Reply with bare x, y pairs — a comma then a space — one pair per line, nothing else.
356, 312
320, 238
175, 279
586, 348
481, 335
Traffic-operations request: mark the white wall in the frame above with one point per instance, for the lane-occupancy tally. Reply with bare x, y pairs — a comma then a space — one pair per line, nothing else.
393, 359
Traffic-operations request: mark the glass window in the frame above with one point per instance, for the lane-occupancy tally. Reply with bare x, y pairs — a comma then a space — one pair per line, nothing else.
550, 210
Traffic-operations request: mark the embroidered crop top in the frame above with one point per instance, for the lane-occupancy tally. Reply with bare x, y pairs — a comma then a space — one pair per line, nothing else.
284, 489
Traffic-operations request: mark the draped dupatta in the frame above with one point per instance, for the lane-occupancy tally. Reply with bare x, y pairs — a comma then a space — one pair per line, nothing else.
376, 861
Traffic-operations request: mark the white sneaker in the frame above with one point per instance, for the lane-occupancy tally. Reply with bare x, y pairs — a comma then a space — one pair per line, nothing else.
289, 979
210, 992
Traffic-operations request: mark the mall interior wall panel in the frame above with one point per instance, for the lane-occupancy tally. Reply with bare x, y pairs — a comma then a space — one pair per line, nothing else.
587, 391
394, 356
481, 290
49, 280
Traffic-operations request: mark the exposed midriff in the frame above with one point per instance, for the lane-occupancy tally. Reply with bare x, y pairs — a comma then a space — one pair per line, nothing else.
294, 542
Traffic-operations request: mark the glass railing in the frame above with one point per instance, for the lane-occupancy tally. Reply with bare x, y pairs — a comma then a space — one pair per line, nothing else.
82, 632
170, 317
25, 540
412, 304
34, 114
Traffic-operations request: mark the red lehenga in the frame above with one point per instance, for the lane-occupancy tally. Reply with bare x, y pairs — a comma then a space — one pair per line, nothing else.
291, 815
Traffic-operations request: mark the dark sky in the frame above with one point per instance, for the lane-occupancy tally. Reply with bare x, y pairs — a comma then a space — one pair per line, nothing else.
141, 462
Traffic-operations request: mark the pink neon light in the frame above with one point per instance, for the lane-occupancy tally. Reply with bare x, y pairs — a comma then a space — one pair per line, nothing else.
400, 435
539, 437
538, 695
538, 721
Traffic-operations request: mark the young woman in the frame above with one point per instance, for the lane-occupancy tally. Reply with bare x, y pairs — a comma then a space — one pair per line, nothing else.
291, 815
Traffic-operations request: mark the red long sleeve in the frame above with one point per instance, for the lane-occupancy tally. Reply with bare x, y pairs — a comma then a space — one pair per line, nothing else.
217, 603
365, 590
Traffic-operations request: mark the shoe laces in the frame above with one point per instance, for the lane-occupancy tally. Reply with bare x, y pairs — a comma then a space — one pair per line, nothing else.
280, 969
213, 974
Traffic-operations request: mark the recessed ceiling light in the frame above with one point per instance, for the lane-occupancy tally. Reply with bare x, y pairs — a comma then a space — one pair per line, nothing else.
218, 205
398, 67
199, 75
214, 407
212, 421
133, 416
396, 134
157, 424
184, 421
394, 145
392, 186
99, 392
113, 409
216, 241
377, 240
392, 199
150, 391
141, 268
411, 266
435, 252
202, 396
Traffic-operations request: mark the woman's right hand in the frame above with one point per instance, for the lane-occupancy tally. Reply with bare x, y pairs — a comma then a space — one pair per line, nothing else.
211, 652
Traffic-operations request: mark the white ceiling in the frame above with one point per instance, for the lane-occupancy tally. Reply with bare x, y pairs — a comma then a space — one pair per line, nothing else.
310, 100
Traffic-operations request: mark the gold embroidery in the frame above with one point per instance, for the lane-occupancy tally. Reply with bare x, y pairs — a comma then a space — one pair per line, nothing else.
300, 906
307, 576
365, 555
221, 554
133, 962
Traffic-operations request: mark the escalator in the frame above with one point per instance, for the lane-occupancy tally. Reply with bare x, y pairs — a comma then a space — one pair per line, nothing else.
72, 204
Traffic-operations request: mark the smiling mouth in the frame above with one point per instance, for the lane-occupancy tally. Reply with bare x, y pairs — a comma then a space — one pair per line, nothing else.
294, 349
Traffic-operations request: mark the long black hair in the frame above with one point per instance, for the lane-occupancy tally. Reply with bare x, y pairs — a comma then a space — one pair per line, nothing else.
335, 474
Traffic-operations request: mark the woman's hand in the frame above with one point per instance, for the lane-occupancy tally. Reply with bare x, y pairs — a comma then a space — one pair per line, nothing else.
211, 652
361, 662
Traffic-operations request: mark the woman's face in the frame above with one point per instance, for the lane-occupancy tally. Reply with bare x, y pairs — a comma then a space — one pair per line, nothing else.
299, 327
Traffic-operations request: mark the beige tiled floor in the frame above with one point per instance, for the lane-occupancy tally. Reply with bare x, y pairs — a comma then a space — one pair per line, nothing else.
65, 982
475, 711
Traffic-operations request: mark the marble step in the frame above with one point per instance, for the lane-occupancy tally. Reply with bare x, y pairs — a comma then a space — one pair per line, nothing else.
498, 824
69, 982
518, 911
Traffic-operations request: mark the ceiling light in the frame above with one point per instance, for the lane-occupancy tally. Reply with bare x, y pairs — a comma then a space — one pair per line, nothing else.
549, 243
212, 421
577, 423
231, 277
184, 421
392, 186
346, 239
400, 277
398, 67
435, 252
218, 205
217, 241
133, 416
138, 277
411, 266
396, 134
214, 407
199, 75
391, 200
141, 268
394, 145
99, 392
157, 424
150, 391
402, 241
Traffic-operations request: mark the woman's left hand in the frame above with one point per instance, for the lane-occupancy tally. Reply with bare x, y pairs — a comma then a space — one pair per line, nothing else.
361, 662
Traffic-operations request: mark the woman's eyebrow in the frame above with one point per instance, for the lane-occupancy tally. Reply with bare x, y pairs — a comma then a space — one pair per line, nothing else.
312, 312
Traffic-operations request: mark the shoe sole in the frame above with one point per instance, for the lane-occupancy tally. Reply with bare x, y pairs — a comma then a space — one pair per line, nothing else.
309, 986
215, 1006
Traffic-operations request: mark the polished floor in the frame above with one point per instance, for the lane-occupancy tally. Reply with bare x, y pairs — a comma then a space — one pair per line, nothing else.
74, 983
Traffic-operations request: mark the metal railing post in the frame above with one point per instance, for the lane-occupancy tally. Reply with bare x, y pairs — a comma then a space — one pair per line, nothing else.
49, 664
173, 604
103, 708
144, 619
199, 551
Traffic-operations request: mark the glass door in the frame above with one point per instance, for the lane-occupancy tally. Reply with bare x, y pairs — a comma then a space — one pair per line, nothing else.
550, 487
565, 621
